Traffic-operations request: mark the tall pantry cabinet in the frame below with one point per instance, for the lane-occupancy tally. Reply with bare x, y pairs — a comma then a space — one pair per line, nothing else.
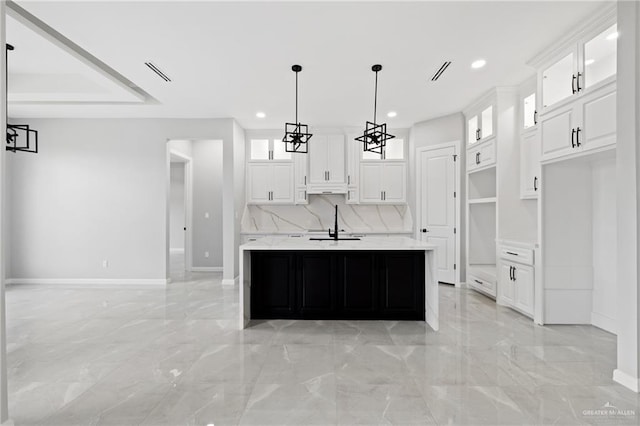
577, 208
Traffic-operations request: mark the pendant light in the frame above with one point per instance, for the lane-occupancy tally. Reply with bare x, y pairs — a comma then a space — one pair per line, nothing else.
375, 135
296, 135
13, 130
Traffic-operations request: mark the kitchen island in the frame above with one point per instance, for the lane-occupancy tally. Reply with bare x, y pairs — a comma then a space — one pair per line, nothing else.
372, 278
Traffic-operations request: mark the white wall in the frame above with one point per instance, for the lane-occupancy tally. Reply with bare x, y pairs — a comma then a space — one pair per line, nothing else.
177, 207
97, 191
628, 191
4, 411
207, 201
434, 132
239, 161
604, 244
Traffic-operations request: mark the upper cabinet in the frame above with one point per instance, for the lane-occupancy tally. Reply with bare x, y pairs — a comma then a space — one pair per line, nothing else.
576, 65
327, 154
268, 150
577, 90
480, 124
270, 173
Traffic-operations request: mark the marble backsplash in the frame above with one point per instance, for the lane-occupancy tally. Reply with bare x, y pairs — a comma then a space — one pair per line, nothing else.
319, 214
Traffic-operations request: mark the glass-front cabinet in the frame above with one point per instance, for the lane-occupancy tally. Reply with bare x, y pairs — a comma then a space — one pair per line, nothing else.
579, 66
480, 124
600, 57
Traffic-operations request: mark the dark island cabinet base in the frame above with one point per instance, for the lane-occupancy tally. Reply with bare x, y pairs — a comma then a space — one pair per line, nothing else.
337, 285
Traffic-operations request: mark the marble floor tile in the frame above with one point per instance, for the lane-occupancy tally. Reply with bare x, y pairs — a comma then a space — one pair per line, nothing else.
174, 356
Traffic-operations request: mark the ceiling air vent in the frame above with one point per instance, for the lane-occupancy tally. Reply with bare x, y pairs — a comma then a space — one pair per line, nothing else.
441, 71
157, 70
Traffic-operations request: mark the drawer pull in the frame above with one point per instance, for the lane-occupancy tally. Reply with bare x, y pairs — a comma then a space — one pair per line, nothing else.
512, 253
479, 282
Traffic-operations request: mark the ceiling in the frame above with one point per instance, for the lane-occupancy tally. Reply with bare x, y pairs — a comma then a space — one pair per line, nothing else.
233, 59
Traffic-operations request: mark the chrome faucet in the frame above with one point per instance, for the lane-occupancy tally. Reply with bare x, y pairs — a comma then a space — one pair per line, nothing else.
334, 235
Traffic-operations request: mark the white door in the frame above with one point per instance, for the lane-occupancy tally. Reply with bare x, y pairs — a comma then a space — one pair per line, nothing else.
506, 284
438, 212
524, 288
259, 182
393, 183
370, 182
318, 159
282, 183
335, 159
529, 165
559, 134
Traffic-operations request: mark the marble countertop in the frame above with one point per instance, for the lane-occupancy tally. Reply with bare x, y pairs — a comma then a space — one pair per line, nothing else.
366, 243
325, 231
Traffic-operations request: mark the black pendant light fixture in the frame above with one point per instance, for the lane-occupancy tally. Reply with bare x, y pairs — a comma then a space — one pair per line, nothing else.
14, 130
296, 135
375, 135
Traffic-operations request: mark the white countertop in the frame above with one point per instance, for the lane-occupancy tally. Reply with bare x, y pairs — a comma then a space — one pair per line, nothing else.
366, 243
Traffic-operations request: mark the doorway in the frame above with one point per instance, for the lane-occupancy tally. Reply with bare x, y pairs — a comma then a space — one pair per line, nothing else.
179, 200
438, 206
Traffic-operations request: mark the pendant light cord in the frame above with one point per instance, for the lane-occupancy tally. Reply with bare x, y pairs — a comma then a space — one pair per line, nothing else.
296, 98
375, 100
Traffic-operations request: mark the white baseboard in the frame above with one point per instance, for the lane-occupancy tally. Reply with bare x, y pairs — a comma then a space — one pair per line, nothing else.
176, 250
626, 380
234, 281
92, 282
206, 269
604, 322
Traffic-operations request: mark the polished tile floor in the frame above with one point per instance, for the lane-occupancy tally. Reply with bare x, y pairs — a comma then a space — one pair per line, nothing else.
172, 356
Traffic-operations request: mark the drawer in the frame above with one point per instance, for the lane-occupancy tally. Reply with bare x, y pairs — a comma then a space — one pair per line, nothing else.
517, 254
485, 286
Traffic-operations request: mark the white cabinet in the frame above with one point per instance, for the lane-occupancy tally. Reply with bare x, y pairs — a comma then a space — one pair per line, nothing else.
327, 164
270, 183
507, 287
481, 156
587, 124
516, 284
383, 182
529, 164
300, 180
574, 67
480, 124
524, 288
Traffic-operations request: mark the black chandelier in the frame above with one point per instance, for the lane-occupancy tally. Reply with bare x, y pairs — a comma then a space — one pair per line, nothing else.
296, 135
375, 135
14, 130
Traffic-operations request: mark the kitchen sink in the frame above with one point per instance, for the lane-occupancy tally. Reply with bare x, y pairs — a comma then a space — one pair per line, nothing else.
334, 239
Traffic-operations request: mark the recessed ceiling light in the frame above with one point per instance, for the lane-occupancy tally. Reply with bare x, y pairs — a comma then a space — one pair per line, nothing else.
613, 36
261, 114
478, 64
391, 114
589, 61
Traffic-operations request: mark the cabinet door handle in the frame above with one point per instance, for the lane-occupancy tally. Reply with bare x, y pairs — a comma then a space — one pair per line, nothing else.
511, 273
329, 175
578, 136
535, 183
514, 274
573, 84
384, 194
535, 117
578, 88
348, 179
573, 135
478, 137
305, 180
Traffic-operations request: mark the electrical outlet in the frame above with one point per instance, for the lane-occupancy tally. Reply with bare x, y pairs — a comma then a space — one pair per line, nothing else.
206, 254
105, 263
